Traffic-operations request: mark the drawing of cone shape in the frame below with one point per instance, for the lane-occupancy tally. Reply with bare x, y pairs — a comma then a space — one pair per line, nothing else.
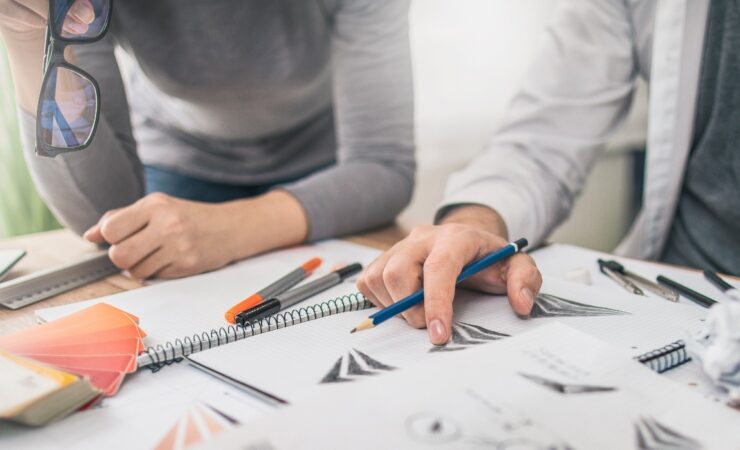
653, 435
546, 305
353, 365
467, 334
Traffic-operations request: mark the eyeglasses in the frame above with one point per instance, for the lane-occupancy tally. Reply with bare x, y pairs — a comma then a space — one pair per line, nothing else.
69, 104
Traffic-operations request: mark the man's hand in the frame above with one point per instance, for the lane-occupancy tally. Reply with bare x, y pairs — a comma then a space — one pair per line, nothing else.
167, 237
433, 256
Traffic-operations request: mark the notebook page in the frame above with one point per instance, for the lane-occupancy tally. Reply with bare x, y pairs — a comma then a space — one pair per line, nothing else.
293, 362
179, 308
551, 388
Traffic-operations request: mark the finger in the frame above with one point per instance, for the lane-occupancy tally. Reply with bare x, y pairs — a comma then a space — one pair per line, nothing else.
131, 251
82, 11
124, 222
93, 233
523, 283
402, 276
370, 282
491, 280
440, 274
152, 265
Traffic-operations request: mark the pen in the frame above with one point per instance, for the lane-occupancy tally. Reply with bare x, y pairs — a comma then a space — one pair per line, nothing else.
290, 298
621, 280
278, 287
418, 296
651, 286
726, 288
696, 297
614, 270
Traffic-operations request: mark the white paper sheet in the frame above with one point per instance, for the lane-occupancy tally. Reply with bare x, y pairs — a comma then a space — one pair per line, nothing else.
179, 308
552, 388
139, 415
292, 363
557, 259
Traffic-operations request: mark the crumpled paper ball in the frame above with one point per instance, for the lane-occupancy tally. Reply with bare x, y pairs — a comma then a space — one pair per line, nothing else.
717, 346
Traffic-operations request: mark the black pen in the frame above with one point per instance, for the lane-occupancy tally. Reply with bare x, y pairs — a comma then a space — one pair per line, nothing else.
290, 298
728, 289
696, 297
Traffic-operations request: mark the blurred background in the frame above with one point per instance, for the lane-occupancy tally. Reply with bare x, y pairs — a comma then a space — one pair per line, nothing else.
468, 56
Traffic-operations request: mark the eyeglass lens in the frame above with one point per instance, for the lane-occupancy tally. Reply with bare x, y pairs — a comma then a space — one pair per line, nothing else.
80, 20
68, 109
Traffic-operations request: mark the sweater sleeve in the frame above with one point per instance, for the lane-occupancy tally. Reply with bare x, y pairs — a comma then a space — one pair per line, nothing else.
80, 187
373, 106
569, 103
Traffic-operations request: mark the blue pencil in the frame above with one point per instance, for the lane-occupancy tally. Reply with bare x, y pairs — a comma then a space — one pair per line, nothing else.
418, 296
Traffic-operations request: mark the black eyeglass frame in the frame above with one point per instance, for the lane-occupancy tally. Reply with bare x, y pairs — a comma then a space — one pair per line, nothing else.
54, 59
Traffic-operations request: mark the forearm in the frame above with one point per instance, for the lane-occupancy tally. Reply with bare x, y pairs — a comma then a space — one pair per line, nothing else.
353, 197
25, 50
263, 223
478, 216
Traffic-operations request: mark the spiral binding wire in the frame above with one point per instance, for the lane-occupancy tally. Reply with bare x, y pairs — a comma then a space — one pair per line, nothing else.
666, 358
158, 356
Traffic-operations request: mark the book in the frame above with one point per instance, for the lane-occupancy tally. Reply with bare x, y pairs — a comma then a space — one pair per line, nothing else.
35, 394
553, 387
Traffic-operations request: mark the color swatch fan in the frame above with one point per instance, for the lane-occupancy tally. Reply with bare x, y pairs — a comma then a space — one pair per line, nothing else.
100, 342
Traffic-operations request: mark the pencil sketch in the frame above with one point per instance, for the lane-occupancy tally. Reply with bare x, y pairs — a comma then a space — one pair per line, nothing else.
352, 365
467, 334
432, 428
653, 435
565, 388
547, 305
438, 430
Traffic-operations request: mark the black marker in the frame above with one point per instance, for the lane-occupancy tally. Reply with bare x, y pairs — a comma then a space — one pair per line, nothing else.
696, 297
290, 298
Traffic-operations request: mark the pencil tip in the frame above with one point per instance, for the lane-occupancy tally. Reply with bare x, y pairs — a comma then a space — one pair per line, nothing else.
353, 330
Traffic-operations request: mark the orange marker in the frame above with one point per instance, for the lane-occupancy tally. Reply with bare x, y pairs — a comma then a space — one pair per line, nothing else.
278, 287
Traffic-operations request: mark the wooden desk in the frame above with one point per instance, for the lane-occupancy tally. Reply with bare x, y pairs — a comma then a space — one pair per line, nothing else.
53, 248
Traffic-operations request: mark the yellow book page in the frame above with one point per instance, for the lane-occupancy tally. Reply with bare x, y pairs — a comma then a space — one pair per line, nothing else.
23, 382
62, 378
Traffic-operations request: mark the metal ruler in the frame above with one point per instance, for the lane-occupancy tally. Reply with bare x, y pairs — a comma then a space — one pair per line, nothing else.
38, 286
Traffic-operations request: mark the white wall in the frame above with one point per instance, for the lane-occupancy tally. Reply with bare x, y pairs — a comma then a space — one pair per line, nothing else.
468, 56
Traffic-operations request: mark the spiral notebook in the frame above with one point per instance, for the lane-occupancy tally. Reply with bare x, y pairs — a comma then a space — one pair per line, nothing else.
322, 353
155, 357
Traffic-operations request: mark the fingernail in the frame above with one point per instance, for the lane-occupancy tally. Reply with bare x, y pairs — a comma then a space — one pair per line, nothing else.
437, 332
529, 296
83, 11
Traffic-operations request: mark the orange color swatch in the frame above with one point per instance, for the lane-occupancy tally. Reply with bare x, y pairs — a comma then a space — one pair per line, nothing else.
100, 342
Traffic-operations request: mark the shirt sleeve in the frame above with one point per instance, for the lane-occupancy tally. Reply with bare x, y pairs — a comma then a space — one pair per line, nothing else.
80, 187
373, 106
571, 100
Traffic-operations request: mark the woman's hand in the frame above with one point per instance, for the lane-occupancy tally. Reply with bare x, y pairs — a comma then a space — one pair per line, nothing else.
22, 26
30, 15
167, 237
433, 256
